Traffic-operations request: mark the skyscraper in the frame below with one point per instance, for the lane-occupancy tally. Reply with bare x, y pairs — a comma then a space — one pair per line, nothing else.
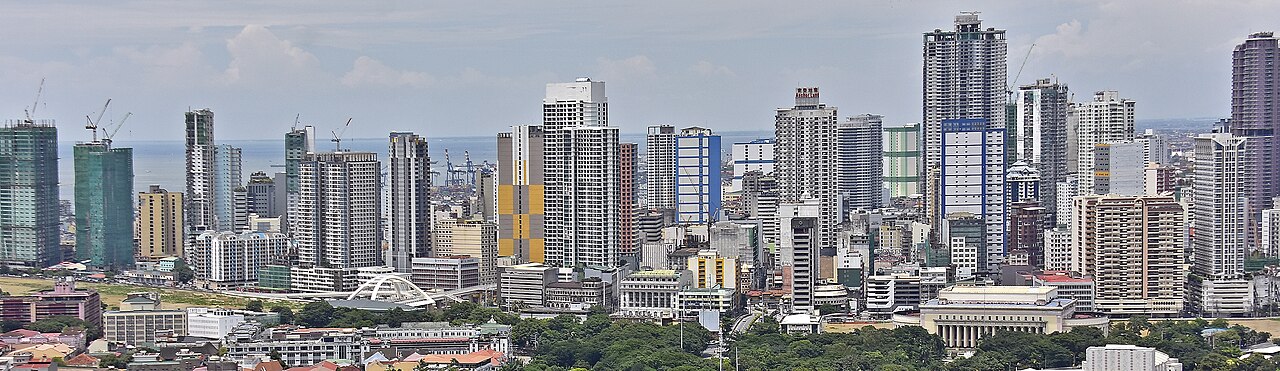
230, 213
408, 200
521, 192
660, 167
859, 160
1107, 119
1040, 136
297, 144
1119, 168
628, 154
1255, 114
582, 152
973, 181
262, 195
159, 225
964, 78
800, 248
901, 166
756, 155
199, 214
337, 218
1218, 284
29, 191
104, 205
1132, 246
806, 165
697, 186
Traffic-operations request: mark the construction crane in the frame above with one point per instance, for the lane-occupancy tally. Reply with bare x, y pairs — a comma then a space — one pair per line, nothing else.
92, 124
295, 122
32, 112
337, 136
1014, 83
107, 137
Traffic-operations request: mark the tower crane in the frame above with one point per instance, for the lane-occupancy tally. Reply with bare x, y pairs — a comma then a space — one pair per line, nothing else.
107, 137
337, 135
92, 124
1014, 83
32, 112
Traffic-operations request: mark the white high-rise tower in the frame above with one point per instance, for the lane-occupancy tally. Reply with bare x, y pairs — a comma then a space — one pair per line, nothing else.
805, 160
1107, 119
660, 167
1219, 284
583, 176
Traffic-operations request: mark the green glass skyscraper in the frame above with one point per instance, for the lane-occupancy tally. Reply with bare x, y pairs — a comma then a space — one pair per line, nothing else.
29, 194
104, 205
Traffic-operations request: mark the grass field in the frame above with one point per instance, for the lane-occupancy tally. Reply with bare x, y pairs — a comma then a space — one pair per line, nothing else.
112, 294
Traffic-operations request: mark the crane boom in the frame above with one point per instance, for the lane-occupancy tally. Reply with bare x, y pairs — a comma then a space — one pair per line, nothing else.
32, 112
1014, 83
93, 124
337, 135
117, 128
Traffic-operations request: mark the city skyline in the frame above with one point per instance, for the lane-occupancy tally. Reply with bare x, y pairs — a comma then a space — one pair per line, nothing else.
329, 63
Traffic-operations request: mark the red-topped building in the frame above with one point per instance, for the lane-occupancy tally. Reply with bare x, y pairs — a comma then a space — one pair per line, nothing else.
63, 300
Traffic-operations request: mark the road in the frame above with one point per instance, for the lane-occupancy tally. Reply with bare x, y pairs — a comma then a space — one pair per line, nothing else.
742, 324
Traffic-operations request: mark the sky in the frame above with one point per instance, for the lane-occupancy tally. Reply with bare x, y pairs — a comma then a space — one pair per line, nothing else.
474, 68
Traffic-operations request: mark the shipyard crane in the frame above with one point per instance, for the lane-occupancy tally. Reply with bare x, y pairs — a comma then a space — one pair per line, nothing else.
337, 135
32, 112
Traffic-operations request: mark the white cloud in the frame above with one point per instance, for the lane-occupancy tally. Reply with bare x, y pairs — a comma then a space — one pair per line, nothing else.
369, 71
636, 67
259, 57
706, 68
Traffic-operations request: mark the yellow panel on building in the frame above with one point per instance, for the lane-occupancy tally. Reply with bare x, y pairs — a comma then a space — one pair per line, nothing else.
536, 251
506, 247
535, 199
506, 199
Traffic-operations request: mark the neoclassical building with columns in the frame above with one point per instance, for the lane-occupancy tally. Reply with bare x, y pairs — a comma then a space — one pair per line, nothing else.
963, 315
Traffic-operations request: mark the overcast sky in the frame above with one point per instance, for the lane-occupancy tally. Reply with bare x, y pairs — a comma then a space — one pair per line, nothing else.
472, 68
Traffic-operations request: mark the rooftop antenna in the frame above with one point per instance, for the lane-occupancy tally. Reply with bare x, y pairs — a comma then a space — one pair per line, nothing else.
337, 136
92, 124
32, 112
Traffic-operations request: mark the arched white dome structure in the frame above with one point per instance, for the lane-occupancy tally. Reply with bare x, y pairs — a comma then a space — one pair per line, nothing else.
392, 288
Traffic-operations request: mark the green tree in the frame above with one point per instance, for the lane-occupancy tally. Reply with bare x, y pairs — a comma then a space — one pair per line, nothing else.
183, 272
316, 314
253, 305
286, 314
764, 326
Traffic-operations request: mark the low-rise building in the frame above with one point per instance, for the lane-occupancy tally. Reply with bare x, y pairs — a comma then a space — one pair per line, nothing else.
1117, 357
63, 300
524, 285
1069, 286
692, 300
72, 337
651, 294
963, 315
299, 346
140, 321
446, 272
212, 323
580, 296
